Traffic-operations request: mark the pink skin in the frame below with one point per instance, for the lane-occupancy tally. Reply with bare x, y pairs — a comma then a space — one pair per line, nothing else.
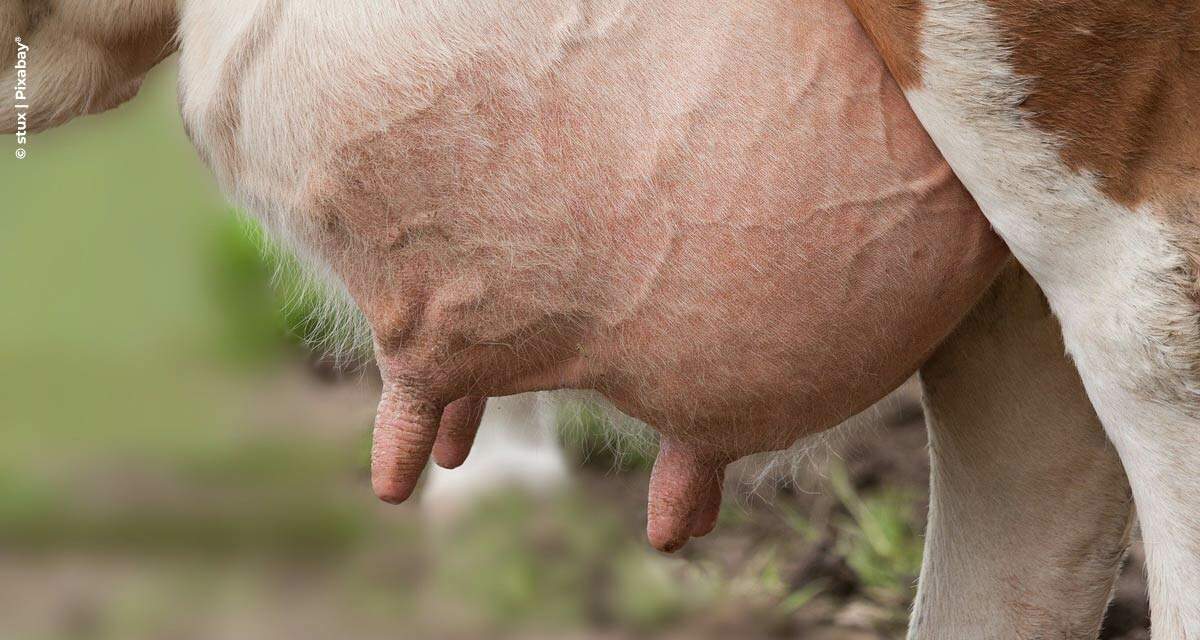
456, 431
719, 213
740, 252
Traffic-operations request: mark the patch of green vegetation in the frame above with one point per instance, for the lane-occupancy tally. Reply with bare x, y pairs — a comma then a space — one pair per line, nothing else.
880, 538
296, 527
267, 302
254, 325
523, 563
647, 596
295, 504
260, 461
874, 549
591, 439
517, 559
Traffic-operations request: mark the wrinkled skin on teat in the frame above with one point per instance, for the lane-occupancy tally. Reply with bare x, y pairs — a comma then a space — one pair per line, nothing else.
738, 234
720, 214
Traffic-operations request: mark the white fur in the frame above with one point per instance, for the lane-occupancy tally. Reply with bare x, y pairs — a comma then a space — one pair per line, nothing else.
1105, 269
312, 60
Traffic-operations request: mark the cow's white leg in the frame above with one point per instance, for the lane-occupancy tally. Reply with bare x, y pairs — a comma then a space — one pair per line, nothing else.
516, 448
1159, 441
1122, 281
1029, 507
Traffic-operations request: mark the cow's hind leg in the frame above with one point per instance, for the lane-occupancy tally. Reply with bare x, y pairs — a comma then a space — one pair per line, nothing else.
1030, 509
1137, 347
1119, 271
1124, 289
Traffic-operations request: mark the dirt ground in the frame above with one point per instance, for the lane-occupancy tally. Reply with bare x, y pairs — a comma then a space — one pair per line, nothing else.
892, 456
288, 543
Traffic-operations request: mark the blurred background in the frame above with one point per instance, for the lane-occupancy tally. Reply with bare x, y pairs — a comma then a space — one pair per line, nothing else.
176, 464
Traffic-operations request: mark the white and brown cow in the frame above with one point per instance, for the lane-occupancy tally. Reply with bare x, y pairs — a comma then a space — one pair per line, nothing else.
722, 215
1076, 127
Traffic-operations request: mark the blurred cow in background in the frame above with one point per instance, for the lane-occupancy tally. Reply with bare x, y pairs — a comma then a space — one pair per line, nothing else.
517, 447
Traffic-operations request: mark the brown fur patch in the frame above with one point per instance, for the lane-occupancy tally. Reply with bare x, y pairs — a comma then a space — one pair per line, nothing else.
1116, 81
20, 20
36, 11
894, 26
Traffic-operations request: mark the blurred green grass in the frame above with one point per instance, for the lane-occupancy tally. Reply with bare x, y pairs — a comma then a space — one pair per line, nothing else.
105, 328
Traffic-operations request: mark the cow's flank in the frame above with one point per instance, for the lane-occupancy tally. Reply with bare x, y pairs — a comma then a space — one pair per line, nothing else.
1117, 83
1075, 126
895, 27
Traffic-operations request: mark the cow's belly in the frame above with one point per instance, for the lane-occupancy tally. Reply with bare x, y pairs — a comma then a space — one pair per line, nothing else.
721, 215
